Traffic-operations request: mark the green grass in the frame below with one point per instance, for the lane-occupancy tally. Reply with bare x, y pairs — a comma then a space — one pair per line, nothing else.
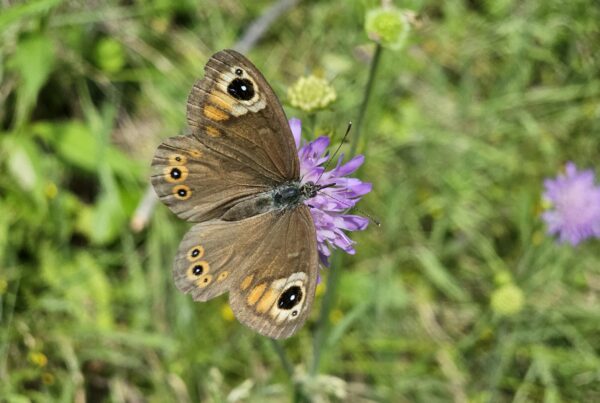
486, 100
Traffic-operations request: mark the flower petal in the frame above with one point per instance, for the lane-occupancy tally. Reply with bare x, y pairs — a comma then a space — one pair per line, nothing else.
296, 126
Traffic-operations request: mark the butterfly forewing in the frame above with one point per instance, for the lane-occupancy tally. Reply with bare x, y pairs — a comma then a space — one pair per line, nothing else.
234, 111
199, 184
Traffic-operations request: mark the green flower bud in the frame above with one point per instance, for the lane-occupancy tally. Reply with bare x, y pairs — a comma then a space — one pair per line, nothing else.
109, 55
507, 300
311, 93
387, 26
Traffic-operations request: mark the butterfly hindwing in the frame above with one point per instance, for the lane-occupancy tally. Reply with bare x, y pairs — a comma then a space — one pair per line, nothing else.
268, 263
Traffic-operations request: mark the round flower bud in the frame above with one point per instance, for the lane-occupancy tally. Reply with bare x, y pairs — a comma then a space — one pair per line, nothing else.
507, 300
311, 93
387, 26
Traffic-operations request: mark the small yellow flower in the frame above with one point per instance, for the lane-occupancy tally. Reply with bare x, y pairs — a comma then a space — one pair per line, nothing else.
507, 300
38, 359
320, 289
51, 190
311, 93
336, 315
47, 378
537, 238
387, 26
227, 313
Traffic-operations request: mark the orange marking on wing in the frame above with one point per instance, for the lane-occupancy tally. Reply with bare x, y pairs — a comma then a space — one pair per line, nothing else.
267, 300
222, 276
220, 102
195, 153
204, 280
246, 282
213, 131
256, 293
214, 113
177, 159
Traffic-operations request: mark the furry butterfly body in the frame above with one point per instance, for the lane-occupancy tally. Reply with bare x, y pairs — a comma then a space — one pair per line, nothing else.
237, 177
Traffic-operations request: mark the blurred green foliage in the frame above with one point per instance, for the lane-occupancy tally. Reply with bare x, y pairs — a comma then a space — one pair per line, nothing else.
486, 99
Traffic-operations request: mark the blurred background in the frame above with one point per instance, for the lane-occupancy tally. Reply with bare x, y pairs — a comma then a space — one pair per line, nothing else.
459, 296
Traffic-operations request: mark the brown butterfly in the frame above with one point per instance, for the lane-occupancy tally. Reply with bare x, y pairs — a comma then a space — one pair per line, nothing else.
237, 175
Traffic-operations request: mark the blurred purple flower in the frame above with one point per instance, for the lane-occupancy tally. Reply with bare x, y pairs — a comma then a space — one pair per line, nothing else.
575, 205
330, 204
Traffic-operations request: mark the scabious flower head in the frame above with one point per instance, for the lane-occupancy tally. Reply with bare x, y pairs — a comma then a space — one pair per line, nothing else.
507, 300
311, 93
575, 205
387, 26
328, 207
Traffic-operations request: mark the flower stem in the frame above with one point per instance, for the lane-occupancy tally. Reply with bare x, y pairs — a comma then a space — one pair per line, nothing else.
312, 119
298, 396
326, 306
335, 271
366, 96
285, 362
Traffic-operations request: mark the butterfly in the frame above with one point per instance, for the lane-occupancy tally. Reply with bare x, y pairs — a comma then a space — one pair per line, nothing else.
237, 177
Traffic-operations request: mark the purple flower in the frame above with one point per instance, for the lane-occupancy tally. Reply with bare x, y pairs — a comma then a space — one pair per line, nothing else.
575, 201
330, 204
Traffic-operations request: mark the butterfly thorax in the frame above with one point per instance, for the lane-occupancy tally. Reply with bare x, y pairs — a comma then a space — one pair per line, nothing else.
283, 197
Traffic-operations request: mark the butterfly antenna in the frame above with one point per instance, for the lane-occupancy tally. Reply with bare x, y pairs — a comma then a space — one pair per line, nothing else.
336, 151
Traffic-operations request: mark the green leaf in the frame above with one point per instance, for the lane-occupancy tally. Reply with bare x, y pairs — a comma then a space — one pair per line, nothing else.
33, 61
439, 276
20, 11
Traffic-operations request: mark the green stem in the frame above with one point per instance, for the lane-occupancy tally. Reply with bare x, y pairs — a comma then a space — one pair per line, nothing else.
312, 123
366, 96
298, 396
335, 271
285, 362
326, 306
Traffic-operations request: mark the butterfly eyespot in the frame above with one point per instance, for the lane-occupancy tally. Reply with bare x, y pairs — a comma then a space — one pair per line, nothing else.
197, 269
182, 192
239, 72
177, 159
290, 298
241, 88
222, 276
195, 253
204, 280
294, 313
175, 173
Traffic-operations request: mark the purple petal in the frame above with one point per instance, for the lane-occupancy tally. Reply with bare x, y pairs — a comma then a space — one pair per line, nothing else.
296, 126
575, 200
350, 166
329, 205
351, 222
